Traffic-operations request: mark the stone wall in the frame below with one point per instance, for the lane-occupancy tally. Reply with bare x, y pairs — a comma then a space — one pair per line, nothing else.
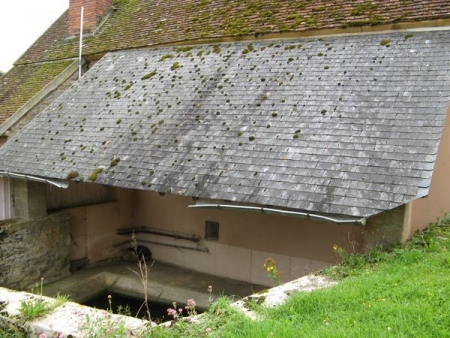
34, 248
385, 229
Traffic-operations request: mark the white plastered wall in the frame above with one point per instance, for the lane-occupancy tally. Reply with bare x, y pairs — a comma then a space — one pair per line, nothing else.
437, 203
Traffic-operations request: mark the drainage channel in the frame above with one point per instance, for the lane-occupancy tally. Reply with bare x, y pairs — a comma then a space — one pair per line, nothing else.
131, 306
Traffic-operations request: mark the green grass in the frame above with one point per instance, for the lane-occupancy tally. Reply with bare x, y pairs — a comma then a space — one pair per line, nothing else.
401, 293
33, 308
11, 332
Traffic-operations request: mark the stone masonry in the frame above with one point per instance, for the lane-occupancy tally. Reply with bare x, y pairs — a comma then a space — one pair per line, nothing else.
34, 248
385, 229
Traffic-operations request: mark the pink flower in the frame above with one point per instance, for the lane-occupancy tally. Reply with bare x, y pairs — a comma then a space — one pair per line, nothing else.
190, 304
171, 312
208, 330
180, 310
190, 307
42, 335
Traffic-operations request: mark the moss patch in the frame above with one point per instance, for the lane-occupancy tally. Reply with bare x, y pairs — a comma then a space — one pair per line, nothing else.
72, 174
93, 176
149, 75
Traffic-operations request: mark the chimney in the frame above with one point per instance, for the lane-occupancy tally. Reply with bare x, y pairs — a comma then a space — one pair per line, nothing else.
94, 11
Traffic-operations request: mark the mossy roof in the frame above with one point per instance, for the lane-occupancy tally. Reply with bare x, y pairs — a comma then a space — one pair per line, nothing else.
22, 83
339, 125
141, 23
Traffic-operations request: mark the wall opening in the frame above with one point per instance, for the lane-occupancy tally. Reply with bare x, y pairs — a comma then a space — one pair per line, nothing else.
212, 230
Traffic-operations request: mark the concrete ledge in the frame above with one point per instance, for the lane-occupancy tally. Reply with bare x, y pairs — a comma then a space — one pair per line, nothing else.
278, 295
66, 320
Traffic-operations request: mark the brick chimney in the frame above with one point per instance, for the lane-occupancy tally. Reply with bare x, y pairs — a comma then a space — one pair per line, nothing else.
94, 10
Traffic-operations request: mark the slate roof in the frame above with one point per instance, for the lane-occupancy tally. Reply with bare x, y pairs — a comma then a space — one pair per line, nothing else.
340, 125
141, 23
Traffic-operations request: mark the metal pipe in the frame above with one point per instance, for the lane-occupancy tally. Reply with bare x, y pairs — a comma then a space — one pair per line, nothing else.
160, 232
81, 43
205, 249
306, 215
57, 183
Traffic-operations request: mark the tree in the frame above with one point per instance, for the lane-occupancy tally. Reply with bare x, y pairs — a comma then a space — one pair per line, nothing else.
1, 73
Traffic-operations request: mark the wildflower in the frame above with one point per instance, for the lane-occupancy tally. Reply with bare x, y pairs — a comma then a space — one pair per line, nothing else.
208, 330
110, 304
210, 293
335, 247
191, 303
272, 272
190, 307
42, 335
172, 312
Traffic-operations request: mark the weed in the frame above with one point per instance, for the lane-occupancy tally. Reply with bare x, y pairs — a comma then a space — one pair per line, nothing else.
142, 274
190, 307
349, 259
270, 265
12, 332
218, 314
33, 308
103, 325
37, 307
210, 289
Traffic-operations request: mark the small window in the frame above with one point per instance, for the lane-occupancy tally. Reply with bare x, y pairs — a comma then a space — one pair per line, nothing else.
212, 230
